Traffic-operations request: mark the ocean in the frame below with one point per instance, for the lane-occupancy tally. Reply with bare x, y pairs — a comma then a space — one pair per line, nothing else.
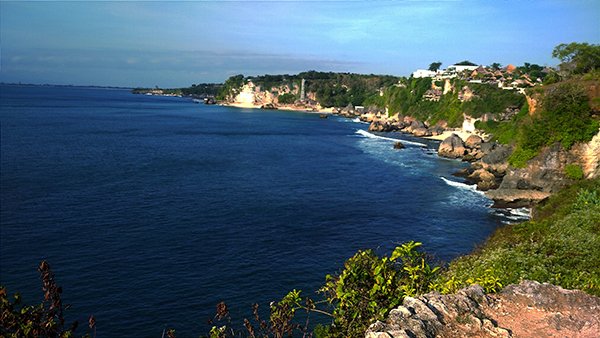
151, 210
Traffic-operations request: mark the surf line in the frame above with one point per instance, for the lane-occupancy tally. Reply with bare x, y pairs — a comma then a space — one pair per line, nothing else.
369, 135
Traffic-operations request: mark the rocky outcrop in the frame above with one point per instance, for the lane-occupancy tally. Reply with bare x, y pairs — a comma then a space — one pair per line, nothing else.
452, 147
588, 156
473, 141
528, 309
516, 198
484, 179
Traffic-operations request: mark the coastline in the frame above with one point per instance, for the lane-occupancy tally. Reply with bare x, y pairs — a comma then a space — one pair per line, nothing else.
515, 208
247, 105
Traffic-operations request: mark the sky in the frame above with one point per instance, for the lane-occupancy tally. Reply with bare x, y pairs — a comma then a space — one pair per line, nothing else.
176, 43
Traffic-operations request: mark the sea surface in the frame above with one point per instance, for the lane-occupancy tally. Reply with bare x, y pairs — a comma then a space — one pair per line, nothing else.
151, 210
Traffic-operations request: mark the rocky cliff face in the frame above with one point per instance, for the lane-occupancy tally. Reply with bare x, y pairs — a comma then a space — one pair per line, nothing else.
528, 309
252, 94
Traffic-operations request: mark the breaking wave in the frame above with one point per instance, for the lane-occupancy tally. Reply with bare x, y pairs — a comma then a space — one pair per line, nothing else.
462, 186
369, 135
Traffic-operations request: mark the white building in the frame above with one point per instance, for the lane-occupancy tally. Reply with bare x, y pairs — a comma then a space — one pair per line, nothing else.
423, 73
461, 68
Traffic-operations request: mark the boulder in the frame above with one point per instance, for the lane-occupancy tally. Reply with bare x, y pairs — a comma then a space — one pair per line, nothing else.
382, 126
436, 130
398, 145
368, 117
376, 126
473, 142
487, 147
515, 198
452, 147
421, 132
485, 180
415, 125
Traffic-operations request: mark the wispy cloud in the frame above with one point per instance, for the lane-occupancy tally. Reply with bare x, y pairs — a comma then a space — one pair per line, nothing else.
187, 65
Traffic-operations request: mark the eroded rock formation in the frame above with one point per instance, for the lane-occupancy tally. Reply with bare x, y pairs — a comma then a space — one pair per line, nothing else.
527, 309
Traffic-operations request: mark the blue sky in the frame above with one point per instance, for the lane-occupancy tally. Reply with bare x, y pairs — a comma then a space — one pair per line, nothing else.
175, 44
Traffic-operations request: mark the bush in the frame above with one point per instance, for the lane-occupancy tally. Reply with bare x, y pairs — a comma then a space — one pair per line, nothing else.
574, 171
370, 286
520, 156
287, 98
586, 199
43, 320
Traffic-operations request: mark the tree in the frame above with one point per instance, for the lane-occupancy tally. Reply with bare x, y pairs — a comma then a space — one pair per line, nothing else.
495, 66
434, 66
577, 58
466, 63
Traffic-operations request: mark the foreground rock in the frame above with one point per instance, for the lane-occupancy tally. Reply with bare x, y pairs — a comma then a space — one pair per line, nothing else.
452, 147
516, 198
528, 309
398, 145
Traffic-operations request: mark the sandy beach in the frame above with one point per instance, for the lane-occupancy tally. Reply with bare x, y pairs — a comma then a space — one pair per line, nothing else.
461, 133
282, 107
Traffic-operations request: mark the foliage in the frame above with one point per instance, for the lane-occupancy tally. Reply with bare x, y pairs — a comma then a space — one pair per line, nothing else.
43, 320
491, 99
465, 63
534, 71
565, 117
231, 87
520, 156
202, 89
370, 286
561, 246
574, 171
495, 66
434, 66
287, 98
578, 58
586, 199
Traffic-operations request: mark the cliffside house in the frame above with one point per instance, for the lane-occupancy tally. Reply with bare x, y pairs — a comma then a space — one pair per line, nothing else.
420, 73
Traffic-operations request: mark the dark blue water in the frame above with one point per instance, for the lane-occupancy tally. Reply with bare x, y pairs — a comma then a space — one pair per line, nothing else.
151, 209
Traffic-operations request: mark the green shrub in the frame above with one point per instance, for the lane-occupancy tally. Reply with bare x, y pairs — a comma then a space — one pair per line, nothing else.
574, 171
287, 98
520, 156
370, 286
586, 199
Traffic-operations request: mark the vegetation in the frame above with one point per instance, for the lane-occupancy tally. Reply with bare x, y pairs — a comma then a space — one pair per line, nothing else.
465, 63
231, 86
43, 320
574, 171
578, 58
434, 66
287, 98
331, 89
370, 286
202, 89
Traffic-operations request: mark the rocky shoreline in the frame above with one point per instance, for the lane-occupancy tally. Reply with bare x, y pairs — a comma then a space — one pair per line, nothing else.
489, 169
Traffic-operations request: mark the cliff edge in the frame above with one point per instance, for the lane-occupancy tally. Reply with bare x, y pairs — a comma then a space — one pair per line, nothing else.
527, 309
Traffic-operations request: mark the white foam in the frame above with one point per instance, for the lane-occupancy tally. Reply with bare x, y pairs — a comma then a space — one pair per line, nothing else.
522, 213
462, 186
369, 135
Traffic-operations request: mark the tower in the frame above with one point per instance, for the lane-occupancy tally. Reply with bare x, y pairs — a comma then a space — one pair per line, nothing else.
302, 94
